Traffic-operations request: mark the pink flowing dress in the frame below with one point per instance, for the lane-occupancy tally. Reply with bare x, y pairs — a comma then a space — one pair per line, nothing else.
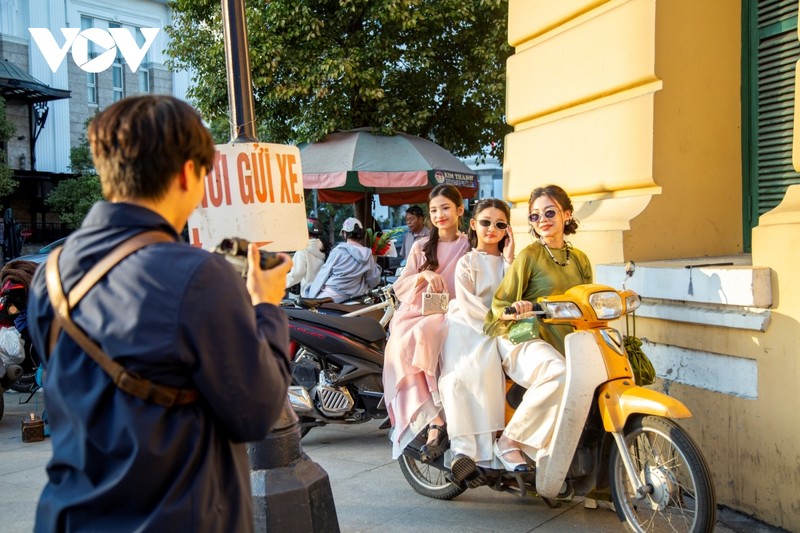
411, 358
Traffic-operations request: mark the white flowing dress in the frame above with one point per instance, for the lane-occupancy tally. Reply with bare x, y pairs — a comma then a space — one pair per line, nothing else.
472, 383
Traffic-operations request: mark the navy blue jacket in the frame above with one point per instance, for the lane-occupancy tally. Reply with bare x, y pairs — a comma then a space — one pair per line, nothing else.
178, 316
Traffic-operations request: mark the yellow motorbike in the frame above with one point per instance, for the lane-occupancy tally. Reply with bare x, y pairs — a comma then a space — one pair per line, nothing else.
610, 434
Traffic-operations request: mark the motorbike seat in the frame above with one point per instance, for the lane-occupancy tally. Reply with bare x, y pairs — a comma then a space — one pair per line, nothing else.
312, 303
365, 328
349, 308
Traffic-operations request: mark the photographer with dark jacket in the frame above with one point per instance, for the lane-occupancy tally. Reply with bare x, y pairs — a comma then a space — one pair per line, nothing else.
173, 314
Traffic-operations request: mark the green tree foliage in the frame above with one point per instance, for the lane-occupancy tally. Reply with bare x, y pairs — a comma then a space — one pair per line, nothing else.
433, 68
72, 198
7, 183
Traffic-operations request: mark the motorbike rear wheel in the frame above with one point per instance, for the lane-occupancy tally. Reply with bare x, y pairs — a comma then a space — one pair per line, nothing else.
428, 480
26, 383
668, 462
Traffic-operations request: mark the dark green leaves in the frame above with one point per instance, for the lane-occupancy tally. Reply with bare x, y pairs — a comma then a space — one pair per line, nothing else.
434, 68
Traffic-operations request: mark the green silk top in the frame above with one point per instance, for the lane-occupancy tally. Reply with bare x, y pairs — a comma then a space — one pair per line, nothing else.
533, 274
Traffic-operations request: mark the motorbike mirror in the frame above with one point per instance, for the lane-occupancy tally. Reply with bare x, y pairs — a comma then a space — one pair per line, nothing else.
630, 268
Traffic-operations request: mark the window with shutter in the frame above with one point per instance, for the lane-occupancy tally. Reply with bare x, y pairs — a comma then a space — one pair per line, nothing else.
770, 53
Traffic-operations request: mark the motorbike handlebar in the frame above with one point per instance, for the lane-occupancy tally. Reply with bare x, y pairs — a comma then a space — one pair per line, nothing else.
537, 310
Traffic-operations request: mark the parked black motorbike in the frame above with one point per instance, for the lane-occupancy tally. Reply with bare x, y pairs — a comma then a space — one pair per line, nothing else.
337, 361
379, 303
337, 368
20, 372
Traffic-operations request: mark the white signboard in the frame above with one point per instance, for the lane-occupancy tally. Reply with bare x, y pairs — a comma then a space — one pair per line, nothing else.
255, 192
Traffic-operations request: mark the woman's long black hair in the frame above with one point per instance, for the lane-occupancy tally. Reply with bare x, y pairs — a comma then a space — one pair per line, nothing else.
429, 249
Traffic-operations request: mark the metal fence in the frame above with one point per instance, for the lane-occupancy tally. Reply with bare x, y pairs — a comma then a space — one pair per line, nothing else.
42, 233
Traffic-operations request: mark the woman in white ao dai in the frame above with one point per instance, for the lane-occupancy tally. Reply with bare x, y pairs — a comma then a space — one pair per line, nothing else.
472, 383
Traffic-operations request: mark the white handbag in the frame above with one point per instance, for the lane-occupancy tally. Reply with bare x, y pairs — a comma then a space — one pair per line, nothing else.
434, 302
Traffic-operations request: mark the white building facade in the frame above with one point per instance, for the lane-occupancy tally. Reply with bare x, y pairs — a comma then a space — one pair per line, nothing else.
40, 164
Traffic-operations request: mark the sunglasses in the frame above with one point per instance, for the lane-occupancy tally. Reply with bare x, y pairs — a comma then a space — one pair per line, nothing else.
486, 223
536, 217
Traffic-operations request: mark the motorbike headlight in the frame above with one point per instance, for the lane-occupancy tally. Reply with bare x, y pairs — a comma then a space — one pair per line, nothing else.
632, 302
607, 305
562, 310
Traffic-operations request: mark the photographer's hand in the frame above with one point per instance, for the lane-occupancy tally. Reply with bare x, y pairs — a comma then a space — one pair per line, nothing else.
266, 286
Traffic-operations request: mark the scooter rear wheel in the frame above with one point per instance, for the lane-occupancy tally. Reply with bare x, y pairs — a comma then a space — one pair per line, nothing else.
670, 464
26, 383
428, 480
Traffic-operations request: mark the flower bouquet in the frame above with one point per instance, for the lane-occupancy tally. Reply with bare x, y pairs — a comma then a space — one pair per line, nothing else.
381, 242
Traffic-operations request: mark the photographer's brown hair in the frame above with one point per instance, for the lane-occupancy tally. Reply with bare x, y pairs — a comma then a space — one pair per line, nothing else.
140, 143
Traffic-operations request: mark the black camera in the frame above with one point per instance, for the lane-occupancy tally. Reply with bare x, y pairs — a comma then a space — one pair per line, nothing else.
235, 251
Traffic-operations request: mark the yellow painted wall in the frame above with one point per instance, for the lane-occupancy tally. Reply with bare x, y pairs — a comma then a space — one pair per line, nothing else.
580, 92
752, 446
697, 157
648, 143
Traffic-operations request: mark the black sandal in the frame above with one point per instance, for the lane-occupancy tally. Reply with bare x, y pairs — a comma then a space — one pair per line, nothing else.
430, 451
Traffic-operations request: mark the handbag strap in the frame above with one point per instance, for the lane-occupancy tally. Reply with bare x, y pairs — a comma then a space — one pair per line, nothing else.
428, 291
125, 380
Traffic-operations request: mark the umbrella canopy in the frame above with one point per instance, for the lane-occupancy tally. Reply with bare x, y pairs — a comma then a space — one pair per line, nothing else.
400, 168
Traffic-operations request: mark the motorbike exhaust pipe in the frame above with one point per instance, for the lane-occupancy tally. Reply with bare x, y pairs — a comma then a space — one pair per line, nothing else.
13, 372
300, 400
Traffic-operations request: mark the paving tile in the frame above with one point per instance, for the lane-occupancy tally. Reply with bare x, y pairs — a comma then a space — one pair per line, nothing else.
369, 490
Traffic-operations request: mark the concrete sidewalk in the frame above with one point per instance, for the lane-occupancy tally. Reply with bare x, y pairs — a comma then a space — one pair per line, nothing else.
369, 490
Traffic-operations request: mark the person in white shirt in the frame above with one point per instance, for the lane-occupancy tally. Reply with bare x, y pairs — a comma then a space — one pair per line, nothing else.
308, 261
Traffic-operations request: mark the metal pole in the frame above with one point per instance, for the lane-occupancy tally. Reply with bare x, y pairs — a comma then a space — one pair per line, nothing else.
290, 492
237, 68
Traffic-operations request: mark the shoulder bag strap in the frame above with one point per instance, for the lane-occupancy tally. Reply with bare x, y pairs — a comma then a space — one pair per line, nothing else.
127, 381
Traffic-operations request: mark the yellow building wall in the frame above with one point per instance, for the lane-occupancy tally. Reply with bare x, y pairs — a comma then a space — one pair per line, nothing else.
634, 107
697, 138
752, 445
580, 92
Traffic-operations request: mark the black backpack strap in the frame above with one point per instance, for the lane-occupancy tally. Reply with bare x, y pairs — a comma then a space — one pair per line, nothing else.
127, 381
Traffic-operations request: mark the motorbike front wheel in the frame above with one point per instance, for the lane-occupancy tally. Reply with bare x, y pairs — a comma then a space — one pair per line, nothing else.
666, 459
428, 480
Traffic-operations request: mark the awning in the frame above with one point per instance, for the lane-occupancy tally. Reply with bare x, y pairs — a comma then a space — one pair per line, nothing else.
18, 85
400, 168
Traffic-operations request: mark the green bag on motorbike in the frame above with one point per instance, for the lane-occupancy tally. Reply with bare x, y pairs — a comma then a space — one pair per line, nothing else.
523, 330
641, 367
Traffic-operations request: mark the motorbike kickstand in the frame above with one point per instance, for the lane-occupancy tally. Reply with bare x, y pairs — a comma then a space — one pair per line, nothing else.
566, 495
30, 396
552, 504
522, 488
